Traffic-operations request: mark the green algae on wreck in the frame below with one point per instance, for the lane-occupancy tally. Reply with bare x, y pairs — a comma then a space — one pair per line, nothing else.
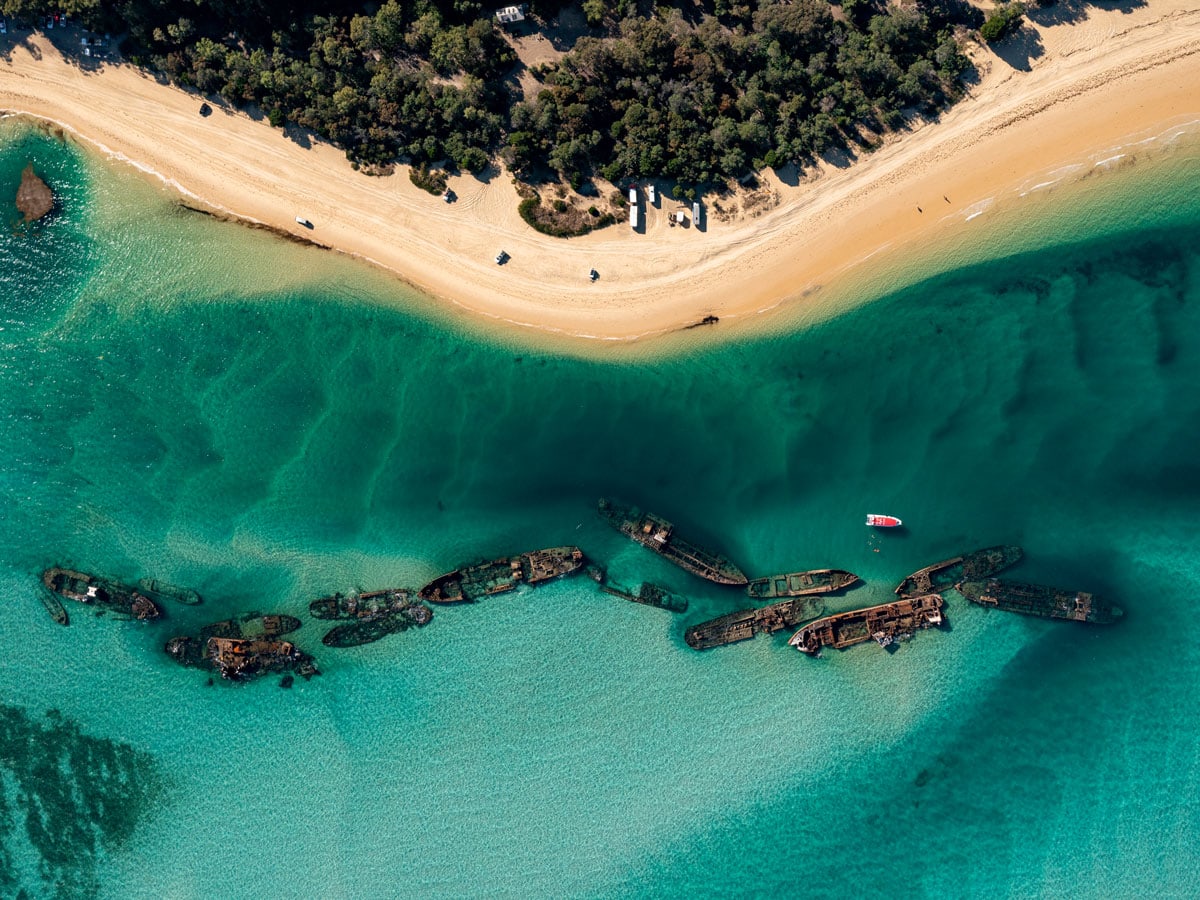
66, 799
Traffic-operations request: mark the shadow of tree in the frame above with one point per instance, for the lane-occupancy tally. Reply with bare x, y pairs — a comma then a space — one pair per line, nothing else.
301, 137
1066, 12
789, 174
840, 156
486, 174
1021, 48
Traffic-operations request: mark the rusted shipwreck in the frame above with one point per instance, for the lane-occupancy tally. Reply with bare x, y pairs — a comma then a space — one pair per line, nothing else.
502, 575
649, 595
368, 630
371, 616
102, 593
362, 606
244, 647
885, 624
801, 584
972, 566
657, 534
746, 623
160, 592
245, 658
1039, 600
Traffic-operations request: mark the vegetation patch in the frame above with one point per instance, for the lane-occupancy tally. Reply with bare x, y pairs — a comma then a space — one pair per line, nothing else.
562, 219
1003, 21
698, 92
432, 181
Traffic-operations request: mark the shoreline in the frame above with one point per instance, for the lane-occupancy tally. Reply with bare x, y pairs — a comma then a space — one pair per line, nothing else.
1101, 85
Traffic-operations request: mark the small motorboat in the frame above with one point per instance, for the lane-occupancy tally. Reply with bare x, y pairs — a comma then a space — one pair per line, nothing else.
879, 521
300, 220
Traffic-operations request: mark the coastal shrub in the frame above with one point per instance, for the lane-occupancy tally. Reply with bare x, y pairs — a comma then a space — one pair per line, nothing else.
433, 182
566, 222
1003, 21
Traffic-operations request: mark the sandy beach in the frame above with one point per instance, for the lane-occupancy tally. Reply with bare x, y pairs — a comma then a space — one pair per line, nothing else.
1063, 94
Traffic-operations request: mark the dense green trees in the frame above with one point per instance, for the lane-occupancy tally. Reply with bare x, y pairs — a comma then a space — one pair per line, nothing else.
759, 85
697, 93
1004, 19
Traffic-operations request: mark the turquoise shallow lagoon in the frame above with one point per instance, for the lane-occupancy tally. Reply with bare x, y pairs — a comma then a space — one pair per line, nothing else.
264, 422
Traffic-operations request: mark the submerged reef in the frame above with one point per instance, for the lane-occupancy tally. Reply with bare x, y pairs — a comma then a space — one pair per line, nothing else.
66, 799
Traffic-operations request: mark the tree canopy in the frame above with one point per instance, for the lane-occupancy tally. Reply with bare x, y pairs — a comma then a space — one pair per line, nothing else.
698, 93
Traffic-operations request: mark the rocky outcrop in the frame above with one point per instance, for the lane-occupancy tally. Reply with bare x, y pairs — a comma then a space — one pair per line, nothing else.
34, 197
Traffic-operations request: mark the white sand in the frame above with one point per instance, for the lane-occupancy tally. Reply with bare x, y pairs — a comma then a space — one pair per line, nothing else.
1098, 84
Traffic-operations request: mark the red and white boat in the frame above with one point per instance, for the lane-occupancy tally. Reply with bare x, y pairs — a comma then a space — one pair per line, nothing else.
883, 521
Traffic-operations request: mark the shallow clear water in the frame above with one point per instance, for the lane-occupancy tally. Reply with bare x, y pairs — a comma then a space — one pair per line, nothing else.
186, 399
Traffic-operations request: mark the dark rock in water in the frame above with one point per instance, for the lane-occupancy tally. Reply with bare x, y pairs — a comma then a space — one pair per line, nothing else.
34, 197
286, 681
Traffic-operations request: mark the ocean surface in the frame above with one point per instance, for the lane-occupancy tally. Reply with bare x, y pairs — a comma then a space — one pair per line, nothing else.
190, 400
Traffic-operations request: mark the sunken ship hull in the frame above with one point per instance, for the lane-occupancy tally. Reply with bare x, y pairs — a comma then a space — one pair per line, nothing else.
242, 659
193, 651
746, 623
885, 624
539, 566
657, 534
54, 606
1039, 600
102, 593
362, 606
502, 575
973, 566
649, 595
369, 630
800, 584
160, 592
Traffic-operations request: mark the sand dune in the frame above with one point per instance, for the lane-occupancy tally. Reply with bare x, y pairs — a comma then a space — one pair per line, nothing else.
1119, 72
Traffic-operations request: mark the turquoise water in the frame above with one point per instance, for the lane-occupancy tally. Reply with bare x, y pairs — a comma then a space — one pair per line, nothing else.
263, 422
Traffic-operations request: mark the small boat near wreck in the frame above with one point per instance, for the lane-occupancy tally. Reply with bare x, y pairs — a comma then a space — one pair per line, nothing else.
1039, 600
102, 593
885, 624
877, 521
54, 606
649, 595
502, 575
800, 584
657, 534
362, 606
968, 567
746, 623
369, 630
161, 592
